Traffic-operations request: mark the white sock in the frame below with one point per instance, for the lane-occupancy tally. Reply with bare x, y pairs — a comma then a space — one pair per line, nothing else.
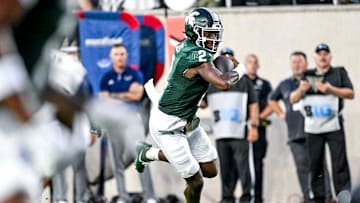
153, 153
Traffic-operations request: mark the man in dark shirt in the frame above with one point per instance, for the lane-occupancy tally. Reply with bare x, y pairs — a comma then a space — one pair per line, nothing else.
231, 111
322, 91
263, 89
295, 123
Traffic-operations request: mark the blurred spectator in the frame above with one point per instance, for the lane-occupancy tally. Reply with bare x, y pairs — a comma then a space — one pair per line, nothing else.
80, 175
122, 82
322, 91
121, 89
231, 111
295, 124
263, 89
31, 127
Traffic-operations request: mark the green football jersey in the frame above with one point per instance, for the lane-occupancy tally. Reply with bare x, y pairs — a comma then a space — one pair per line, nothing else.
182, 95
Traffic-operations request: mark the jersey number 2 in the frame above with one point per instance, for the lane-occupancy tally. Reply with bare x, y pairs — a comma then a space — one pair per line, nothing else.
202, 55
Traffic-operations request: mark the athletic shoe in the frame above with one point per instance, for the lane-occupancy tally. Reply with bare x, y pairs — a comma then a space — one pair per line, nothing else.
141, 159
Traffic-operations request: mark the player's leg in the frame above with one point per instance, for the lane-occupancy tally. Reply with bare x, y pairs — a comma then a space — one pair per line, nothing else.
194, 185
146, 152
179, 155
209, 169
176, 150
203, 151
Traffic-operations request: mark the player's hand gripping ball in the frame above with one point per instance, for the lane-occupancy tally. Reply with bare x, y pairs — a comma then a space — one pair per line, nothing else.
226, 66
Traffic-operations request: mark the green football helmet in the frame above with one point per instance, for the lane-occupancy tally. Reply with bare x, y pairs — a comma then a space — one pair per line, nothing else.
203, 28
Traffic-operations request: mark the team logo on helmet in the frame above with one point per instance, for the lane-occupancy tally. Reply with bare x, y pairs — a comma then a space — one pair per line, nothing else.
190, 19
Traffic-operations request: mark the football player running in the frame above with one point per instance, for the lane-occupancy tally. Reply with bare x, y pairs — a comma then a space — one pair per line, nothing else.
173, 123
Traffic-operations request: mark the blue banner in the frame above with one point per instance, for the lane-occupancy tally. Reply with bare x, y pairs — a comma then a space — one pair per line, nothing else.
152, 49
98, 31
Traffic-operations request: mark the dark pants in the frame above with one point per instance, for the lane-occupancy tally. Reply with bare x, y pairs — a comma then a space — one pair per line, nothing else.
339, 163
300, 154
259, 149
234, 164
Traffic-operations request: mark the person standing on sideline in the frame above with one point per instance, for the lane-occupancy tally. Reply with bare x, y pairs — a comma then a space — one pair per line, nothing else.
232, 111
295, 124
174, 125
121, 90
322, 91
263, 89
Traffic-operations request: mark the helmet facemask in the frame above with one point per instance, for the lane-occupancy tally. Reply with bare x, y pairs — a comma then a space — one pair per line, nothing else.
209, 38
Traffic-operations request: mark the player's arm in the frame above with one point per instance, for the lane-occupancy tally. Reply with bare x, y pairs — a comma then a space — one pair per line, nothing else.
221, 81
135, 93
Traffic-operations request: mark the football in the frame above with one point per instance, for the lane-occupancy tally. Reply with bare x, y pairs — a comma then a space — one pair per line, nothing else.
223, 63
